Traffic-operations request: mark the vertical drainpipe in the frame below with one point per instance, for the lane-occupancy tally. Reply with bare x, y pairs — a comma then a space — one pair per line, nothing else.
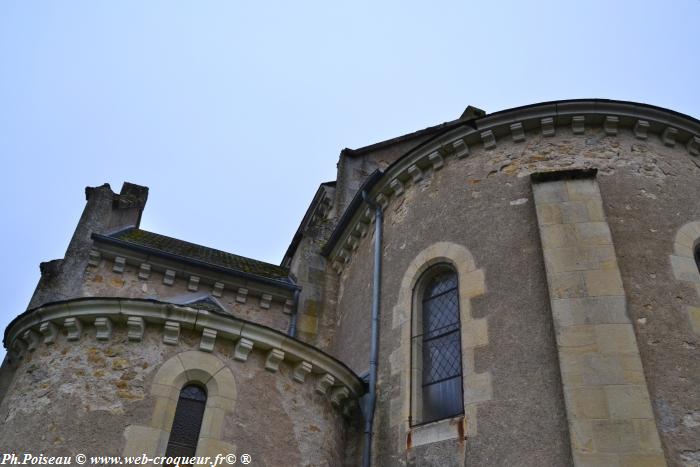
371, 398
295, 315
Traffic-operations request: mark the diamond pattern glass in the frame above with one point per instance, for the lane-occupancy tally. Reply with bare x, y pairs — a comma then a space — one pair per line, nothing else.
187, 423
441, 349
441, 358
440, 314
440, 284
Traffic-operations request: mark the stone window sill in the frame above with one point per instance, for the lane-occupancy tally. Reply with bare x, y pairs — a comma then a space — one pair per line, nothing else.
441, 430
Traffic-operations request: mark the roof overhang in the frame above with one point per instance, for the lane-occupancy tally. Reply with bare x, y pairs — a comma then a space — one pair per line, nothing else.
455, 139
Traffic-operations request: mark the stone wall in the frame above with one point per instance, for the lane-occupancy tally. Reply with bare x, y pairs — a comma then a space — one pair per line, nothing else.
308, 267
607, 399
100, 392
104, 211
580, 318
102, 281
484, 203
355, 166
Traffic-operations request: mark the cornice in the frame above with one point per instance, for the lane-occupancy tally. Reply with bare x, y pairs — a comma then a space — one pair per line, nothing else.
317, 211
40, 326
136, 251
196, 277
643, 121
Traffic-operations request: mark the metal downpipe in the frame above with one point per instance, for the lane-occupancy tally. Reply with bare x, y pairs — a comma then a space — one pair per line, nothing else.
374, 343
292, 332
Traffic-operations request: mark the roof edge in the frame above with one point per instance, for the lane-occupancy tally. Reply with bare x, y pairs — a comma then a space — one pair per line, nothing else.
560, 110
231, 326
184, 259
296, 239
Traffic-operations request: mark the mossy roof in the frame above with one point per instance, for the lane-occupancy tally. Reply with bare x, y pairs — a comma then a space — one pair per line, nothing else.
201, 253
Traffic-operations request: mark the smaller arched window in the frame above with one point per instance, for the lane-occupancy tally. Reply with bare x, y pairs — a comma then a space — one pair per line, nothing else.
436, 347
697, 256
187, 422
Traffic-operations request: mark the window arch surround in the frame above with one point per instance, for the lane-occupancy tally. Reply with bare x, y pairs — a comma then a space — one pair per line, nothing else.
187, 368
474, 334
685, 263
436, 348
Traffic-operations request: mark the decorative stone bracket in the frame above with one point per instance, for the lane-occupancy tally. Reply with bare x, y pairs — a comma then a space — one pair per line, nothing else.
124, 261
578, 116
331, 377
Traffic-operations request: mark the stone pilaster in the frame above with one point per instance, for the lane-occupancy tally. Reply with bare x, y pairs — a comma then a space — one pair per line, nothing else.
607, 401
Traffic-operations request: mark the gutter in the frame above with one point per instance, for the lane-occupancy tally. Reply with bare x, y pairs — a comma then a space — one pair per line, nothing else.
295, 315
370, 400
196, 262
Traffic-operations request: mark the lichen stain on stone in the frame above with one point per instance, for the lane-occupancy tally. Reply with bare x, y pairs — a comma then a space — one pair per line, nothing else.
120, 363
129, 396
113, 351
95, 357
121, 384
402, 208
307, 424
510, 169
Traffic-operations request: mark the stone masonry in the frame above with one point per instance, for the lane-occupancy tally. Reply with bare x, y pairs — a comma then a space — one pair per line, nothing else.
607, 400
573, 230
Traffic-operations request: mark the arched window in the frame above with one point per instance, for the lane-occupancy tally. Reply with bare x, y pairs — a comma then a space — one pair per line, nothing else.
188, 421
436, 349
697, 256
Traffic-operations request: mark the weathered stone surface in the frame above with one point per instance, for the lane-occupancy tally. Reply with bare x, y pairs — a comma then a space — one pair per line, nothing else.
101, 395
647, 180
607, 400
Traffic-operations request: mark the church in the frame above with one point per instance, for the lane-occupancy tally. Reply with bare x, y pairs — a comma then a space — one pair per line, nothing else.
519, 288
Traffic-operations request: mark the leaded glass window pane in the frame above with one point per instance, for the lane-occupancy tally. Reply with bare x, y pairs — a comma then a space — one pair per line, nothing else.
187, 423
442, 400
441, 349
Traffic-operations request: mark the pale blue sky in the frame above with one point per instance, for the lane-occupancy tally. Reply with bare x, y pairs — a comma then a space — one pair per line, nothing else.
233, 112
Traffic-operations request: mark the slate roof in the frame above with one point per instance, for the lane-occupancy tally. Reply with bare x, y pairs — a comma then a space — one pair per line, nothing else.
206, 303
199, 253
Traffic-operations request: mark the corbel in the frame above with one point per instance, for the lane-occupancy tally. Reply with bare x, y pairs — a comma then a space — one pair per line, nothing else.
301, 369
171, 332
135, 328
324, 382
103, 328
241, 295
206, 344
242, 349
265, 301
144, 271
548, 128
610, 125
74, 328
517, 132
119, 264
273, 359
488, 139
